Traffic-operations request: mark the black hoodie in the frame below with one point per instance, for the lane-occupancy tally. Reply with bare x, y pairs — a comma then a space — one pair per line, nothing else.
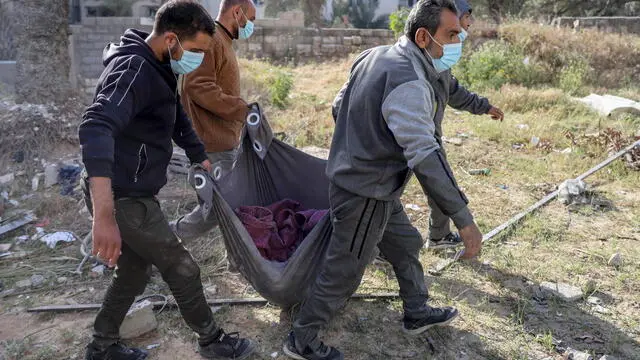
126, 134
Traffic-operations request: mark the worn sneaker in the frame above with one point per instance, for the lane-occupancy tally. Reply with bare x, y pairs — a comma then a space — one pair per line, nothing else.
322, 352
449, 241
437, 317
116, 351
228, 346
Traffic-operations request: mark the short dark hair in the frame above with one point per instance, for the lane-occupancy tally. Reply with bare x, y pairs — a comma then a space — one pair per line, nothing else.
186, 18
225, 5
426, 14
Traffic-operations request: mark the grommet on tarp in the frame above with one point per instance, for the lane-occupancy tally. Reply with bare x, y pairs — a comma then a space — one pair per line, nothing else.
253, 119
257, 146
217, 173
199, 181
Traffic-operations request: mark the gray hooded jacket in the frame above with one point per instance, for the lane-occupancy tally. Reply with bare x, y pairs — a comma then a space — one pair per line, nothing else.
389, 122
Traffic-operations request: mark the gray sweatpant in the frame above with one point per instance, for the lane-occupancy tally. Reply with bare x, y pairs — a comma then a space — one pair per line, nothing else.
193, 225
359, 225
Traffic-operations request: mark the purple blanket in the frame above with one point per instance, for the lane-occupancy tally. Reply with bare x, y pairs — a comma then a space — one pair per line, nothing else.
279, 228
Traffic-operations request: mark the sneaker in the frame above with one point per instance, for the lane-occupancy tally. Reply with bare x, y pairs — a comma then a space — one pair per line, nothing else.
437, 317
449, 241
322, 352
228, 346
116, 351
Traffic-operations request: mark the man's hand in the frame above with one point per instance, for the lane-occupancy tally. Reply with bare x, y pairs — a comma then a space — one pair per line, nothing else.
472, 239
207, 165
106, 239
106, 235
496, 113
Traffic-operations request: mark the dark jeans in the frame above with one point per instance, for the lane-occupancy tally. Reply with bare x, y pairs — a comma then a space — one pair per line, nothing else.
147, 240
359, 226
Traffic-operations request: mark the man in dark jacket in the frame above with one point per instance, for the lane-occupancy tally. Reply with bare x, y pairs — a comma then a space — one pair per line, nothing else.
126, 138
388, 117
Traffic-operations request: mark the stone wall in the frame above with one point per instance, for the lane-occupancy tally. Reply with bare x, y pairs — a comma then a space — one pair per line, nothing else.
307, 44
621, 24
279, 40
87, 42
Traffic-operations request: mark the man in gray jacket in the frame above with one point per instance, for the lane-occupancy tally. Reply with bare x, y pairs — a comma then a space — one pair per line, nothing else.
388, 121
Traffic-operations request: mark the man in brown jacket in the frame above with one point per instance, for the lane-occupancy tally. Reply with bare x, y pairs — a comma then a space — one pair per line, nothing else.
211, 98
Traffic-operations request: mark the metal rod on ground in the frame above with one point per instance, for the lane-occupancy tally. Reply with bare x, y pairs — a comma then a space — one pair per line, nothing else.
443, 265
218, 302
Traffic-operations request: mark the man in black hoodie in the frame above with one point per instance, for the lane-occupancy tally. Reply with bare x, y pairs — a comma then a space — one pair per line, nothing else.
126, 139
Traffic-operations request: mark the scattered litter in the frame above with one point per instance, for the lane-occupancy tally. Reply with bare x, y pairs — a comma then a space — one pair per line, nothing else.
37, 280
600, 309
485, 172
98, 270
463, 135
15, 222
564, 151
7, 179
50, 175
535, 141
611, 105
274, 354
52, 239
615, 260
573, 192
14, 202
517, 146
593, 300
572, 354
5, 247
608, 357
564, 291
68, 178
454, 141
211, 290
522, 126
44, 223
503, 187
152, 346
413, 207
35, 182
590, 339
62, 280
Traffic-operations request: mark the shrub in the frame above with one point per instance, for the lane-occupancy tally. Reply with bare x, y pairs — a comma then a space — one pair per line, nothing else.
573, 76
397, 20
279, 88
497, 63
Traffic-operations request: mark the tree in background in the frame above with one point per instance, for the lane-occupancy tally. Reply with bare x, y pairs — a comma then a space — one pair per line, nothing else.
117, 7
42, 51
312, 12
362, 14
275, 7
498, 10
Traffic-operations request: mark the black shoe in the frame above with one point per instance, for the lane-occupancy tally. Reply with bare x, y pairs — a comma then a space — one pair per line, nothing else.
322, 352
228, 346
116, 351
437, 317
450, 241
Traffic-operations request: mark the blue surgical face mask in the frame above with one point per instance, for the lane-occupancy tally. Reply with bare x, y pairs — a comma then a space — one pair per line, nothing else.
451, 54
463, 35
190, 61
246, 31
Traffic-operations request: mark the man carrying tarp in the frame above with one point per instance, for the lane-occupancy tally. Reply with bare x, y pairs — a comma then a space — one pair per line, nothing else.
388, 119
211, 98
440, 234
126, 138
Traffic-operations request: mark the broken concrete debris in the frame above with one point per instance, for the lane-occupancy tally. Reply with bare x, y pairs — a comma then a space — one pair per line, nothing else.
611, 105
37, 280
22, 284
573, 192
16, 222
139, 320
572, 354
50, 175
615, 260
564, 291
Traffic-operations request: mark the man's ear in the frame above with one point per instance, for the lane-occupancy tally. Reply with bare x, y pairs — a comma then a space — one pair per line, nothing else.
422, 38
